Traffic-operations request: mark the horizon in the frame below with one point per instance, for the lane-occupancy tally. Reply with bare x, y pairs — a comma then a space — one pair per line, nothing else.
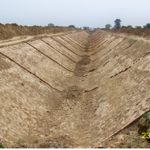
90, 13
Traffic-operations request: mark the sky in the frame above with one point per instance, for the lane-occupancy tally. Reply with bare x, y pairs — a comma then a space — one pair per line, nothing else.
91, 13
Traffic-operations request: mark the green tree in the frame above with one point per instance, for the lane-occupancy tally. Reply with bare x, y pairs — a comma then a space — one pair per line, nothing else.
71, 26
108, 26
117, 23
148, 25
50, 25
130, 26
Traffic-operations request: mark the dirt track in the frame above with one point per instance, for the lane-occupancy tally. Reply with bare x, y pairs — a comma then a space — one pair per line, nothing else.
75, 89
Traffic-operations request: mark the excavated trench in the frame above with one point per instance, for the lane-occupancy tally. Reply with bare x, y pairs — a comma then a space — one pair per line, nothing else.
76, 89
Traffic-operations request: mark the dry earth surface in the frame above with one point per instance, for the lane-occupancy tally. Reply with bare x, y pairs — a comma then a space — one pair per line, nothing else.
74, 89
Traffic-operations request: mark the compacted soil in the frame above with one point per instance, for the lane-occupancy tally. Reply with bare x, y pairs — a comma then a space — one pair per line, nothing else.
73, 89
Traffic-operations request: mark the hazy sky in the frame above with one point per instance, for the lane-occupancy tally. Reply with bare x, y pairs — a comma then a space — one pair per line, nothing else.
92, 13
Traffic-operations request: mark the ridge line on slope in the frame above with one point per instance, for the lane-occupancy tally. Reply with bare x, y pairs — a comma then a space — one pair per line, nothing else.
57, 50
66, 47
126, 125
78, 39
102, 44
107, 51
29, 72
74, 42
97, 42
49, 57
71, 44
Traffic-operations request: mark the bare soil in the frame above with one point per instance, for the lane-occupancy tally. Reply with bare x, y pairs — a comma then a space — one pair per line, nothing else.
46, 103
131, 137
142, 32
11, 30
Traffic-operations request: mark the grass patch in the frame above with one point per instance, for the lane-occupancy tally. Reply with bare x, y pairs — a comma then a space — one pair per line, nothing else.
1, 146
20, 142
36, 142
136, 139
129, 146
131, 41
147, 119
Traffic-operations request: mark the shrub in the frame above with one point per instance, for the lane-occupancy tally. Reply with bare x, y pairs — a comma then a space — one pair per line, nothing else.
1, 146
147, 119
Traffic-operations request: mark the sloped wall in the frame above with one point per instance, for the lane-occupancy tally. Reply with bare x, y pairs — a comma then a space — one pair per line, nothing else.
77, 87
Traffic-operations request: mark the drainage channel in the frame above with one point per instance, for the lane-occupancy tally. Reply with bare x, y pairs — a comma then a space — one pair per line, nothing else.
92, 104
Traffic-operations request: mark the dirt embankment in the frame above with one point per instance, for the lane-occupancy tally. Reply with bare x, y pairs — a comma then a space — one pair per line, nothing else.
10, 30
144, 32
75, 90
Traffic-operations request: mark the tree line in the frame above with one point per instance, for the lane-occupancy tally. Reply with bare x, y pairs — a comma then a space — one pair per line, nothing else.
52, 25
108, 26
118, 25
